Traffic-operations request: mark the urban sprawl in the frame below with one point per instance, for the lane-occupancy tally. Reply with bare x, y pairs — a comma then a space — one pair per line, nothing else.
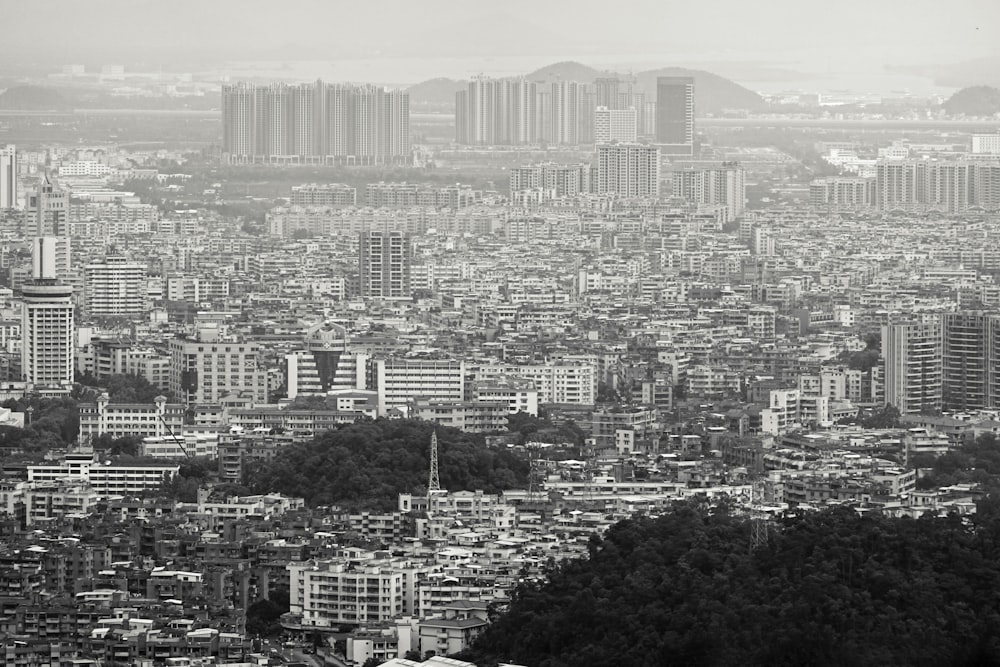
626, 312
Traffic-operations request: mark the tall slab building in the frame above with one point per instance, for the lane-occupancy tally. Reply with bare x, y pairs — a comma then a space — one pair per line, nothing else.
675, 115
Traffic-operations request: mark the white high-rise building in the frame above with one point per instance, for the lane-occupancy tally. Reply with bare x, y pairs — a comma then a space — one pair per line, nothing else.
8, 177
615, 125
114, 288
47, 325
628, 170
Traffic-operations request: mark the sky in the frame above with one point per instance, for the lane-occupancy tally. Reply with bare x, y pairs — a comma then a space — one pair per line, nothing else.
419, 39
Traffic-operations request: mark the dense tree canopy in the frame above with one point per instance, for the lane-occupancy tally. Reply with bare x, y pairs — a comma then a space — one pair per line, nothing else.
828, 588
126, 388
370, 463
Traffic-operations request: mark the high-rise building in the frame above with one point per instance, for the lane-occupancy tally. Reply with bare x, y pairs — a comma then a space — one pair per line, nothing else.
912, 356
949, 186
970, 360
611, 125
210, 365
47, 326
836, 193
566, 108
675, 114
115, 287
48, 209
8, 177
497, 112
384, 263
315, 123
628, 170
553, 180
619, 94
724, 184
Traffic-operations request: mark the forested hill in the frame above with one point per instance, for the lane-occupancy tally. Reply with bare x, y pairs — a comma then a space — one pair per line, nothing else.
369, 463
829, 588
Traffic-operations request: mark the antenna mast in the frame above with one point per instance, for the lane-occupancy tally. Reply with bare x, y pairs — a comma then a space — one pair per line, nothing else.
433, 483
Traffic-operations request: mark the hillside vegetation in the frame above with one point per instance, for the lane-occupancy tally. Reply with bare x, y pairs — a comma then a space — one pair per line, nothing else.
368, 464
828, 588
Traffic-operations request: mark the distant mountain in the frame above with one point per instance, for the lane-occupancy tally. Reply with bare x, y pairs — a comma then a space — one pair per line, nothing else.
435, 91
567, 70
712, 92
33, 98
974, 101
980, 71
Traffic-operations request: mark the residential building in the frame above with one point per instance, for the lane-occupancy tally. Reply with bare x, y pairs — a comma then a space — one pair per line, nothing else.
551, 180
725, 184
315, 123
384, 265
497, 112
912, 366
970, 360
115, 287
355, 589
327, 194
628, 170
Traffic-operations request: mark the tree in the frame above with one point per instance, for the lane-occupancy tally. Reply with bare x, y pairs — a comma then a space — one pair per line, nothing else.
369, 463
829, 588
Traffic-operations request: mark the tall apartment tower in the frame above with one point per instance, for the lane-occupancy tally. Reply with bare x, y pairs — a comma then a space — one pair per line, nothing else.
497, 112
315, 123
8, 177
675, 115
384, 265
970, 360
115, 287
724, 184
912, 354
47, 324
565, 113
628, 170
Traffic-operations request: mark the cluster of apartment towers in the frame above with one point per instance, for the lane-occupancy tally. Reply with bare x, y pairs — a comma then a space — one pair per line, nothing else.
321, 123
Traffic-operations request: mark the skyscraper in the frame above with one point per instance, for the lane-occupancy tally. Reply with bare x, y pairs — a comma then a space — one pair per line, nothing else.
315, 123
565, 96
497, 112
8, 177
675, 114
48, 209
628, 170
384, 265
47, 327
912, 356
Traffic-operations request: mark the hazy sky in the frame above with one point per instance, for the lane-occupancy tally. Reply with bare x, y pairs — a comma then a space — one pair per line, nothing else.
831, 36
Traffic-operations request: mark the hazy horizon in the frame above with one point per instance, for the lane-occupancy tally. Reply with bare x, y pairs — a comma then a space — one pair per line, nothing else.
779, 44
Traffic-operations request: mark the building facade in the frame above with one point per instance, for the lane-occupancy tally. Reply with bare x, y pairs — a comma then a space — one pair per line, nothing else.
675, 115
628, 170
384, 265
